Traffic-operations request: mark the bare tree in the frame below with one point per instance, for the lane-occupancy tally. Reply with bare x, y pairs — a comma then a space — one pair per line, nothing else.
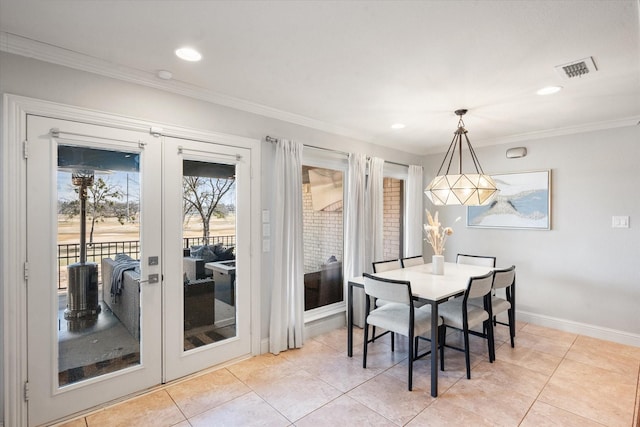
202, 195
102, 197
101, 202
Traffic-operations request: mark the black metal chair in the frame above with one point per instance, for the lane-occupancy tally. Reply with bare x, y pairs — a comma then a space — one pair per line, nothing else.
411, 261
504, 279
482, 260
379, 267
398, 315
457, 313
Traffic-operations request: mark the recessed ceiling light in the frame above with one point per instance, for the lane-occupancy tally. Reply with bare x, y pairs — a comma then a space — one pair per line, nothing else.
398, 126
188, 54
549, 90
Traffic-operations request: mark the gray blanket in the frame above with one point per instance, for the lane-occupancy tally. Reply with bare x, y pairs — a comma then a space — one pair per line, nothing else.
122, 263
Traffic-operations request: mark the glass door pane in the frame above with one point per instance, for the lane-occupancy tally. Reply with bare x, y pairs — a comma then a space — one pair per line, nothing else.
98, 247
209, 263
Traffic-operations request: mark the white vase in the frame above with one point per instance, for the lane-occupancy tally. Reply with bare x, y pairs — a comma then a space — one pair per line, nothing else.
437, 264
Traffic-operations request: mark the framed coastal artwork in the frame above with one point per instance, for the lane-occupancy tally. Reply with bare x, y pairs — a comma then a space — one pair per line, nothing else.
524, 202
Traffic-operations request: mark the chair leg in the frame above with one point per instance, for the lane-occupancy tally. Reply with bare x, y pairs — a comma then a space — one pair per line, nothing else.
466, 352
442, 331
373, 336
393, 336
411, 358
491, 342
364, 350
512, 327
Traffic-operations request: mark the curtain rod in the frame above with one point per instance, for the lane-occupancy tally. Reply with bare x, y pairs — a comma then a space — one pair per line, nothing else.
273, 140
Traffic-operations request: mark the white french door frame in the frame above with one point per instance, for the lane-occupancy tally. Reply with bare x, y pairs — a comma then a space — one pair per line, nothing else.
14, 228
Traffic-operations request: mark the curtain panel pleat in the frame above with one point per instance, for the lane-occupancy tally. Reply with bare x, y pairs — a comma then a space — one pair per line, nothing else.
375, 212
287, 296
363, 232
414, 197
354, 248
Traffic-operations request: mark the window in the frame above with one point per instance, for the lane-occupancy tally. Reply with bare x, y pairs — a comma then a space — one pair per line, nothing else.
392, 218
323, 235
323, 232
394, 212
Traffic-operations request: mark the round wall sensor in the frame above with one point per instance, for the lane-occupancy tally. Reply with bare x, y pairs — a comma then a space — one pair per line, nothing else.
164, 74
516, 152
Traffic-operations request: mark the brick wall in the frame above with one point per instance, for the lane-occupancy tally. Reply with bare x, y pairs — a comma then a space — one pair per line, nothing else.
323, 230
392, 218
322, 234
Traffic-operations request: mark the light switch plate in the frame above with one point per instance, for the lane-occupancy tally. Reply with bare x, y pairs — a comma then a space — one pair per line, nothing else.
620, 222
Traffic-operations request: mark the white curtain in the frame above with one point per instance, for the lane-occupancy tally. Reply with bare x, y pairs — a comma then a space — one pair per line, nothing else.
287, 296
413, 228
374, 208
355, 229
363, 234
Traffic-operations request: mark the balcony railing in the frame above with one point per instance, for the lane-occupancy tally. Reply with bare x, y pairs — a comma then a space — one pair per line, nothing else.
69, 253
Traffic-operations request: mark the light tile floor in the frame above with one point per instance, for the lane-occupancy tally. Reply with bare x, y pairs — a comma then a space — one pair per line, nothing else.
551, 378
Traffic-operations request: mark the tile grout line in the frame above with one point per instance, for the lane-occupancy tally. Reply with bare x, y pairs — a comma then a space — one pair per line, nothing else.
564, 357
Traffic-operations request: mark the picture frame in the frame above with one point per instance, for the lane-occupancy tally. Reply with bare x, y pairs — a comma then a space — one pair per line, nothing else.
523, 202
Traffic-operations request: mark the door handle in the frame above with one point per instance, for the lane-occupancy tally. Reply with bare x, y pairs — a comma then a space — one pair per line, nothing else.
152, 278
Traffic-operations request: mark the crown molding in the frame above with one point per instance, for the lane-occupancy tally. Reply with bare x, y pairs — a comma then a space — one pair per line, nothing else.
569, 130
18, 45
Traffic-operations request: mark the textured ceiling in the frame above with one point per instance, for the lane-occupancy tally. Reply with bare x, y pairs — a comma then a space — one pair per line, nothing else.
356, 67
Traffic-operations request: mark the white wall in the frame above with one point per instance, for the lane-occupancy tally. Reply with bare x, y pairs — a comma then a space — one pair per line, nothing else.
582, 275
36, 79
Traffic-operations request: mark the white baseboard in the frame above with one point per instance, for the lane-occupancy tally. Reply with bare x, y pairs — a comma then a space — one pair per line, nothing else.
264, 345
314, 328
580, 328
324, 325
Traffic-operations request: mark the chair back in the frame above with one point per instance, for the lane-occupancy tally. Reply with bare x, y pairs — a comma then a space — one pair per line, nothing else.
387, 289
411, 261
484, 261
479, 286
380, 266
503, 278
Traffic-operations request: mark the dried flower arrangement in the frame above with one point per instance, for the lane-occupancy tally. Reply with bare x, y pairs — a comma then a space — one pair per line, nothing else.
435, 233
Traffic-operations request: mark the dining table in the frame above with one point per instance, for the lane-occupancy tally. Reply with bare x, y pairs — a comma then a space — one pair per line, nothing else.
427, 287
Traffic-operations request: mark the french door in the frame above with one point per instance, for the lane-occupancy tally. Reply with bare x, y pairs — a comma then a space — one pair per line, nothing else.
207, 288
112, 305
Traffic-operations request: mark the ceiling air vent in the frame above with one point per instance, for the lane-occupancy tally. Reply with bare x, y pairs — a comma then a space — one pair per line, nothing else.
577, 68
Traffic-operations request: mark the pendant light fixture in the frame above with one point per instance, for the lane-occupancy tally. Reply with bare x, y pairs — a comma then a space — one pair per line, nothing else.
469, 189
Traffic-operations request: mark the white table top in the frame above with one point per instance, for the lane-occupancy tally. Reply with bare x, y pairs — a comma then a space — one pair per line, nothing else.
432, 287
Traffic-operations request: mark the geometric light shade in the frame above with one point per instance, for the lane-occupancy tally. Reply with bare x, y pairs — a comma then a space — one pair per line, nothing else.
470, 189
